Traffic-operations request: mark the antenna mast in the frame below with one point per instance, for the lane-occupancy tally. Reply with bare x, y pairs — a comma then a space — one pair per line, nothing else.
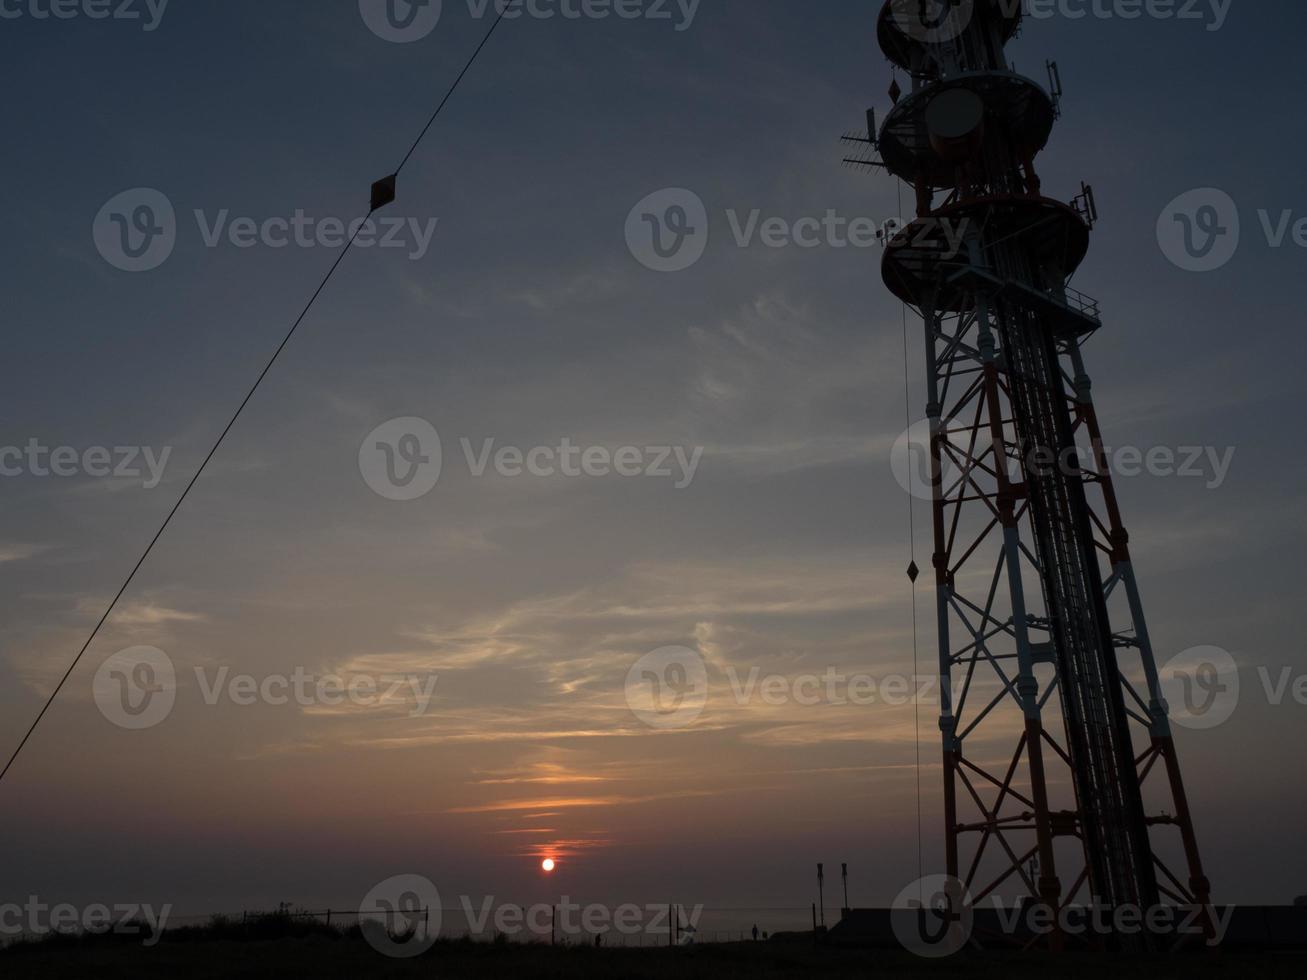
1059, 720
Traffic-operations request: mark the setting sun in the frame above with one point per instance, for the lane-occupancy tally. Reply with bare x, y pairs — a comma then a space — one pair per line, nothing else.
547, 864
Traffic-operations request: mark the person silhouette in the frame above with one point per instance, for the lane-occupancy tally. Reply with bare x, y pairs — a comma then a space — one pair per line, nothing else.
755, 934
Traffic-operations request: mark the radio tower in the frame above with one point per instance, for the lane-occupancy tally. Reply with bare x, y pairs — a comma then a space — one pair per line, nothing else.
1058, 754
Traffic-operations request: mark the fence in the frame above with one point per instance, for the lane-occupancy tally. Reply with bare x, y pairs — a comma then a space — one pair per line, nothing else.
657, 924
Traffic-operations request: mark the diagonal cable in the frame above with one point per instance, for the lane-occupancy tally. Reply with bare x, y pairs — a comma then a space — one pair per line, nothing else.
340, 257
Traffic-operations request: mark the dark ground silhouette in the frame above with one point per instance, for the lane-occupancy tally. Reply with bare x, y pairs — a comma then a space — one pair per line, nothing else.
316, 951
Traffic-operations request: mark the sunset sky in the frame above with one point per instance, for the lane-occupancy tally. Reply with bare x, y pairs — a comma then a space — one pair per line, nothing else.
529, 321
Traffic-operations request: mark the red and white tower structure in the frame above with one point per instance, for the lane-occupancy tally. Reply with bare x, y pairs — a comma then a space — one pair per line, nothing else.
1061, 780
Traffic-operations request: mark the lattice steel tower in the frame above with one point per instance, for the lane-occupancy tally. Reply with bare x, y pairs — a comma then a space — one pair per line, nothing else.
1048, 674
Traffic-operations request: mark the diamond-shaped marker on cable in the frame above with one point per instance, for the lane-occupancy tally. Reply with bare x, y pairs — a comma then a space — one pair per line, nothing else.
913, 572
383, 192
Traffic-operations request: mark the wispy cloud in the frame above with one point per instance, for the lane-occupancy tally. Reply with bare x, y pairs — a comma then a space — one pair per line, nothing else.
10, 551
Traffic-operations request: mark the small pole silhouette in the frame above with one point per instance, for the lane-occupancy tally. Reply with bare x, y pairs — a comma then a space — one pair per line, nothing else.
821, 892
844, 873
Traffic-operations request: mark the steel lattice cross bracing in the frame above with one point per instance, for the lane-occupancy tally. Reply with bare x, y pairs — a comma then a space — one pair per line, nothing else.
1061, 780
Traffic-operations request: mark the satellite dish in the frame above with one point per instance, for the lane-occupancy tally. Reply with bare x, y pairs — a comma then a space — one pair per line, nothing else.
955, 120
